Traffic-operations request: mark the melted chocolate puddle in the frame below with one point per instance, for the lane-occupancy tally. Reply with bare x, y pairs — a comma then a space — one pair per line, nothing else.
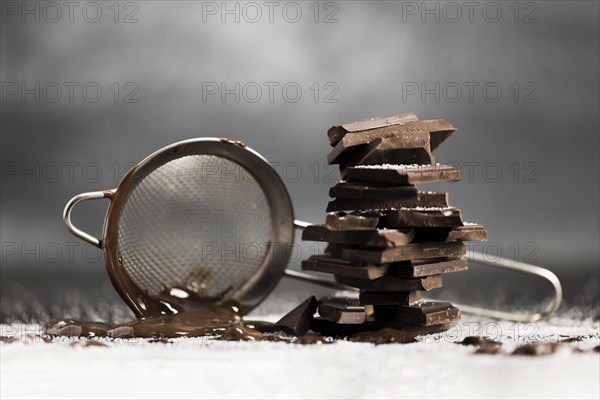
183, 315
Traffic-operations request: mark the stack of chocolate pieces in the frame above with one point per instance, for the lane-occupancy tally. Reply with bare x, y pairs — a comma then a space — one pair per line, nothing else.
385, 237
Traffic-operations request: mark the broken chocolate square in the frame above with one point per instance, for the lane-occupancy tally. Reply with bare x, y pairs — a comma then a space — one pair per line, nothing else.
297, 322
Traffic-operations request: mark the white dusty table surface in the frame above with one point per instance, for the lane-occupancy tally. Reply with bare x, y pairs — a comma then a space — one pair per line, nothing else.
435, 367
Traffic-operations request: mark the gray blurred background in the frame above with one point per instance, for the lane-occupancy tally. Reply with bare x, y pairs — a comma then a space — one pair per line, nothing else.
88, 90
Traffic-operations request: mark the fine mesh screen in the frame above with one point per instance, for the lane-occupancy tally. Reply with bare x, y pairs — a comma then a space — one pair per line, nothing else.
200, 222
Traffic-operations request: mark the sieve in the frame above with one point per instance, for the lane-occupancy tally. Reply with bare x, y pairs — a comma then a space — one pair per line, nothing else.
211, 216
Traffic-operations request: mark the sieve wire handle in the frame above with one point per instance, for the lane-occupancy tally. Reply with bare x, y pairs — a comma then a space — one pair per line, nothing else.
501, 263
105, 194
517, 266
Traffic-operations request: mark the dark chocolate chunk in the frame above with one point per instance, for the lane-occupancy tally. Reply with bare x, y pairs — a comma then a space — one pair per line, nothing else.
380, 238
475, 233
421, 268
423, 218
425, 199
438, 131
337, 132
337, 266
329, 328
390, 151
412, 251
334, 250
423, 313
383, 336
461, 233
372, 191
392, 283
297, 322
389, 298
431, 235
402, 174
408, 148
404, 269
350, 222
342, 310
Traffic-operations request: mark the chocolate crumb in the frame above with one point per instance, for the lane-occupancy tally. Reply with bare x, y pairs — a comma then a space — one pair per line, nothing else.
573, 339
311, 339
160, 340
274, 338
25, 339
489, 349
538, 349
8, 339
88, 343
479, 341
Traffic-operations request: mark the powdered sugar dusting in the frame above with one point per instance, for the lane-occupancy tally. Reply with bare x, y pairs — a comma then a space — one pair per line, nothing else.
402, 166
443, 209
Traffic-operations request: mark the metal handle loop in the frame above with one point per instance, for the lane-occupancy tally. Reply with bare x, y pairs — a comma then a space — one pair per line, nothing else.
67, 215
517, 266
502, 263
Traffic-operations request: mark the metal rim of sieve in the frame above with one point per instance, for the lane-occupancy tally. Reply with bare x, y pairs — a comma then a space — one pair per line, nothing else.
266, 276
